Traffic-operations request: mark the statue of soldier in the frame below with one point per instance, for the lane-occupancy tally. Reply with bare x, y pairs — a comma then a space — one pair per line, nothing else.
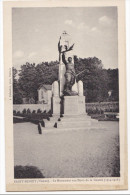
70, 70
69, 76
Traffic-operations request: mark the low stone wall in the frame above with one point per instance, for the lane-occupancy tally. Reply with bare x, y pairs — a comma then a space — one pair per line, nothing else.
103, 106
90, 107
21, 107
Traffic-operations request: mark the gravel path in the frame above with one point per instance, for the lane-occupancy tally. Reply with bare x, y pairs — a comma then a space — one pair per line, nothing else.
77, 153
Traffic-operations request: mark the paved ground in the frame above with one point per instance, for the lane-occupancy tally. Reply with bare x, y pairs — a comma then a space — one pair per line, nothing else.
77, 153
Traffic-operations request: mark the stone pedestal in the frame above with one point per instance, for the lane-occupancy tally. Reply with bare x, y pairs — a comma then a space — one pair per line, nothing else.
81, 105
73, 116
56, 106
74, 105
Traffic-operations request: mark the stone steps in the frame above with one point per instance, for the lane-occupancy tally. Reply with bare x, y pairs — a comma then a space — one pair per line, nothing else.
70, 121
88, 128
75, 119
53, 129
85, 118
73, 124
76, 116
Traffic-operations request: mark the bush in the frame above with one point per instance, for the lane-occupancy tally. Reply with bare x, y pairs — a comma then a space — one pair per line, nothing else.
28, 111
34, 111
14, 112
34, 117
27, 172
18, 112
39, 111
24, 111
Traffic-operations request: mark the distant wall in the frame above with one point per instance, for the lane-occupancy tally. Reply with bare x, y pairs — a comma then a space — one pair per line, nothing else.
21, 107
104, 106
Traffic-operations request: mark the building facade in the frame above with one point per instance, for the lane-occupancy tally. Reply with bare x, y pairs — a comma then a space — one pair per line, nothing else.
45, 94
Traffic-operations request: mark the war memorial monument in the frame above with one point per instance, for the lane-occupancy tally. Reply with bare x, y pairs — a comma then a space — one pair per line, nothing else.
68, 101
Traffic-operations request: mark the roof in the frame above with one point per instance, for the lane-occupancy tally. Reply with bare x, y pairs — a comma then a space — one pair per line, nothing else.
47, 87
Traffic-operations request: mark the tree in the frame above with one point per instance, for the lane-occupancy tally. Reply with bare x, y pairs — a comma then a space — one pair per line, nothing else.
31, 76
17, 96
27, 81
113, 83
97, 80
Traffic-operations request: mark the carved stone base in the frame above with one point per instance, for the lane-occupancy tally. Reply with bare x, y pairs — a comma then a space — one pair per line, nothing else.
74, 105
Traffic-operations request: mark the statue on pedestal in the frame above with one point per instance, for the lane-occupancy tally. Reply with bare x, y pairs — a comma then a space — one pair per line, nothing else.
69, 74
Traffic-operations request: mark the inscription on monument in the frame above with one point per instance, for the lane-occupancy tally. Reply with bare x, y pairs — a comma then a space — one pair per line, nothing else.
71, 105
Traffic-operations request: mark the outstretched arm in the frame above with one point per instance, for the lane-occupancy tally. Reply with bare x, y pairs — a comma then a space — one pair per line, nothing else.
70, 48
59, 46
63, 54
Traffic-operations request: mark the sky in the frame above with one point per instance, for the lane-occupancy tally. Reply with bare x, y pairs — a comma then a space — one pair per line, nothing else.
36, 32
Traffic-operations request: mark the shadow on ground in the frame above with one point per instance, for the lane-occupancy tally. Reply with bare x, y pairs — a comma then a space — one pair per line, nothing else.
27, 172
